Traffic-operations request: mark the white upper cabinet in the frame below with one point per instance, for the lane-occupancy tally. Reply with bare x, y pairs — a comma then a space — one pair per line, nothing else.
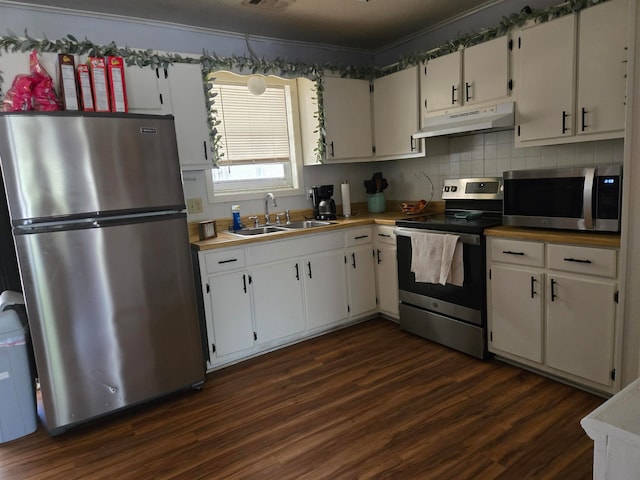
347, 113
472, 76
178, 90
396, 114
602, 68
546, 80
572, 77
147, 90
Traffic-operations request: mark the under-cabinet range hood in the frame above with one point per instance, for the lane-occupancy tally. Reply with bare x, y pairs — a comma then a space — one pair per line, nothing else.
495, 117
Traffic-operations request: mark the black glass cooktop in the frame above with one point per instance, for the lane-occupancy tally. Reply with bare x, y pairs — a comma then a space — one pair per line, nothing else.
449, 222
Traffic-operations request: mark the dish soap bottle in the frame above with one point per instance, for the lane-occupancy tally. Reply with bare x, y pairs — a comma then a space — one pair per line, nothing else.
235, 212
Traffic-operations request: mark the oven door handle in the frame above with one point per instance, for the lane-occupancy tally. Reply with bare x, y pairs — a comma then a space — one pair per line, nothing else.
468, 238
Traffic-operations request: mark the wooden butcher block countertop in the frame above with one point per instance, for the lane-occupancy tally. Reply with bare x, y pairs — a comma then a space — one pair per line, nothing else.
599, 239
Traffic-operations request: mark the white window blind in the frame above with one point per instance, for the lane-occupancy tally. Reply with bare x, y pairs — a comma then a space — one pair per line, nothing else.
254, 128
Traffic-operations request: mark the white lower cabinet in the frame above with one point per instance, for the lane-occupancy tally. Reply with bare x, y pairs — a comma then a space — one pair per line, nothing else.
277, 300
360, 271
553, 307
386, 267
273, 293
227, 304
325, 289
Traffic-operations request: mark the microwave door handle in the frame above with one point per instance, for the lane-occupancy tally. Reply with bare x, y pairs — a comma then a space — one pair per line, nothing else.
587, 202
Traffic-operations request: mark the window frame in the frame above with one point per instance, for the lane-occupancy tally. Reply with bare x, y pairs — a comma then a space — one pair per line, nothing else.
295, 146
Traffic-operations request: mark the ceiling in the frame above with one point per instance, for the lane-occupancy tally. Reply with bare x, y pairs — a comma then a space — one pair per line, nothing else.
361, 24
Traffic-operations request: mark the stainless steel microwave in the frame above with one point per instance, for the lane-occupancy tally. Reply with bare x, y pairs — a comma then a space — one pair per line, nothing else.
577, 198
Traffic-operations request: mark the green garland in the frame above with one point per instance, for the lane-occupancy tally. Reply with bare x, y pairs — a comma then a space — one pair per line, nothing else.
210, 61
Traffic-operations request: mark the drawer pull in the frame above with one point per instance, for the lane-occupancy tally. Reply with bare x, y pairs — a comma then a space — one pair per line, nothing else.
509, 252
577, 260
384, 235
220, 262
360, 237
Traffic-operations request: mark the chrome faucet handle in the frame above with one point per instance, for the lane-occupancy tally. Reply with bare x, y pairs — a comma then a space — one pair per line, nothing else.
278, 217
288, 216
256, 224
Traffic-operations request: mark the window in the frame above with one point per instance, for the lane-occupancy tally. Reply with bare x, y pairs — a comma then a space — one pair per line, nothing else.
258, 147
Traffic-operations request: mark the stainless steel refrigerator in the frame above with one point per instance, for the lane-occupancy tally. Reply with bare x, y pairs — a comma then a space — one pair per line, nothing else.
96, 208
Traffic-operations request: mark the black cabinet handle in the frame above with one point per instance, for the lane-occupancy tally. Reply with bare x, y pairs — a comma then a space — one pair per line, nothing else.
297, 271
227, 261
584, 119
577, 260
309, 265
206, 156
565, 115
378, 252
553, 290
467, 86
333, 153
533, 286
412, 143
353, 260
509, 252
244, 283
384, 235
360, 237
453, 94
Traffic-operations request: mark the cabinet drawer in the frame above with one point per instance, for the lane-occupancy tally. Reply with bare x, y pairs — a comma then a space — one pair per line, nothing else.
358, 236
224, 260
517, 251
284, 249
592, 261
385, 234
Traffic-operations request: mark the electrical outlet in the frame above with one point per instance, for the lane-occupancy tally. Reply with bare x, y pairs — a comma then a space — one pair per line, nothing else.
194, 205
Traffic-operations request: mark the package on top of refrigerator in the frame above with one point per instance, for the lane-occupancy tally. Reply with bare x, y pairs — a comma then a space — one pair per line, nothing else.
67, 82
99, 84
84, 88
117, 84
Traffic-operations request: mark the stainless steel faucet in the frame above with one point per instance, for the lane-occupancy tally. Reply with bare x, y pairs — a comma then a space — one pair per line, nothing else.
267, 221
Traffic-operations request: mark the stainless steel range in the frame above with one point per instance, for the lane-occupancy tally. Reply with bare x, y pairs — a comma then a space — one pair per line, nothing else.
453, 314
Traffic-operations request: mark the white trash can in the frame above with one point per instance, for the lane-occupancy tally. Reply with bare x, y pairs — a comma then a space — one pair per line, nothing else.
18, 415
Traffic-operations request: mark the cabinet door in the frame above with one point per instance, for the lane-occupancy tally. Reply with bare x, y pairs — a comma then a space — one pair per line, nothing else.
396, 102
325, 288
580, 327
361, 275
230, 303
387, 277
546, 78
515, 312
147, 90
277, 300
442, 82
347, 113
188, 106
486, 71
602, 68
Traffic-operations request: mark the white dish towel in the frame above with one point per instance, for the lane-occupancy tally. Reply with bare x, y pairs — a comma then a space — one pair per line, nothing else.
437, 258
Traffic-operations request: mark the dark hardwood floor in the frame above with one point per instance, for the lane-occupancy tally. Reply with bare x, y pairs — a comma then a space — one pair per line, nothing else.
369, 401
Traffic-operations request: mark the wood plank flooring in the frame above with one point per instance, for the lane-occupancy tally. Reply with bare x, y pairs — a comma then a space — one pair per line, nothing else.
369, 401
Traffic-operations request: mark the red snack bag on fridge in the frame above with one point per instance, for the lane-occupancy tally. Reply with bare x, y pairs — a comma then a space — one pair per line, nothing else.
18, 97
44, 94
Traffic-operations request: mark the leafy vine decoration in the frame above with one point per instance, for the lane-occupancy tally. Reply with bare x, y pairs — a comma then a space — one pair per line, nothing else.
210, 62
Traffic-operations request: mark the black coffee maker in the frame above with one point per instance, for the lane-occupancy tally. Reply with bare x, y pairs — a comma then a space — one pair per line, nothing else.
324, 207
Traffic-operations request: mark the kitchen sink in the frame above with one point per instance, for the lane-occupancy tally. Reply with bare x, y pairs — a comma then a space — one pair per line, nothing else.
248, 232
307, 224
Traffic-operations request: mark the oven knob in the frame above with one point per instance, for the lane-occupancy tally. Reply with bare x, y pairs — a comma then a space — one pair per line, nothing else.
454, 188
446, 188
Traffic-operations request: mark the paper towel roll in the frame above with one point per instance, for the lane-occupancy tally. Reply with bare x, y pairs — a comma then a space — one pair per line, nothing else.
346, 199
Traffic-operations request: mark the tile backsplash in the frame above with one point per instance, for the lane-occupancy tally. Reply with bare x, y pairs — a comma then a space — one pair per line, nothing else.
490, 154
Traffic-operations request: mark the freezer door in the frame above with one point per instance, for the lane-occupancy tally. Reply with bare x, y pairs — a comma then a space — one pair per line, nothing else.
113, 316
72, 166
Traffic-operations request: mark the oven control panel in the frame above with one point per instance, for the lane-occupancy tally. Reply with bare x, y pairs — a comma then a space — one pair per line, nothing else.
487, 188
